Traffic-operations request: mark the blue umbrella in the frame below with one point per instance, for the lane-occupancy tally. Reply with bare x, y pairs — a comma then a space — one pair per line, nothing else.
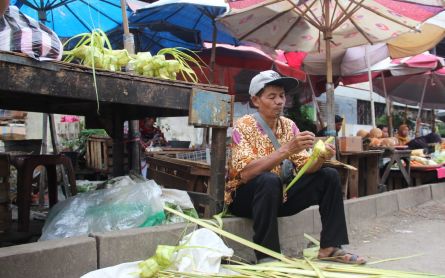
71, 17
192, 14
149, 39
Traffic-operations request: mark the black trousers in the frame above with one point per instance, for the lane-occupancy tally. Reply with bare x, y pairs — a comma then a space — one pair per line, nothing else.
261, 199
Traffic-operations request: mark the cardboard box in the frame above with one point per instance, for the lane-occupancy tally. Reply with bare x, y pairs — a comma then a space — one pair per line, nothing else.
350, 144
13, 132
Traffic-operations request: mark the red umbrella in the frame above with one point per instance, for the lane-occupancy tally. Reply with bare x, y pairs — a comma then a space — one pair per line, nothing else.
235, 66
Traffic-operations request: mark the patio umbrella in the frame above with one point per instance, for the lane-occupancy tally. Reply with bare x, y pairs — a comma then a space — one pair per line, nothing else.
405, 80
148, 39
236, 65
68, 17
291, 26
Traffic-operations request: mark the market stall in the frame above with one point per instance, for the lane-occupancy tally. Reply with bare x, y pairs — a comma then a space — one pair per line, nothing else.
55, 87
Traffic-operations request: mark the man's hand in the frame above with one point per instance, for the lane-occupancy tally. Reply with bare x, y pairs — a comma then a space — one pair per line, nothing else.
330, 151
303, 140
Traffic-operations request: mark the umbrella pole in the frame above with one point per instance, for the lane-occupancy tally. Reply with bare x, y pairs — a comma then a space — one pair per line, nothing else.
420, 108
314, 100
206, 130
128, 37
133, 127
433, 123
329, 78
371, 90
388, 108
213, 53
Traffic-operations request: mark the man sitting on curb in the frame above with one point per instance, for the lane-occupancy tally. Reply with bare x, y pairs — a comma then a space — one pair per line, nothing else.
255, 186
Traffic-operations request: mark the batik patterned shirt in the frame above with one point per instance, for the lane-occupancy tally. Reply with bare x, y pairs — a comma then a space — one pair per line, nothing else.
251, 142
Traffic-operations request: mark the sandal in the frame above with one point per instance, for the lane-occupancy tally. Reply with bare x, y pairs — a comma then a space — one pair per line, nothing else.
341, 256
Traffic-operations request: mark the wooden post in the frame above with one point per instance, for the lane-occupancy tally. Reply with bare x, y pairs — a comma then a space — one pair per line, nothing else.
371, 89
330, 102
118, 145
133, 131
388, 108
42, 180
133, 126
217, 170
433, 123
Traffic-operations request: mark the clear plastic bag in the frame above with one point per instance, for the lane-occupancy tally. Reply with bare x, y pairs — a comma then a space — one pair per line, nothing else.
127, 204
180, 201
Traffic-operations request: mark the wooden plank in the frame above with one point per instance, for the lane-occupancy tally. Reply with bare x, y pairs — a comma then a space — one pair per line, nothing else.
218, 169
104, 149
118, 145
169, 181
88, 154
210, 109
200, 198
178, 161
372, 175
353, 178
93, 155
113, 87
166, 162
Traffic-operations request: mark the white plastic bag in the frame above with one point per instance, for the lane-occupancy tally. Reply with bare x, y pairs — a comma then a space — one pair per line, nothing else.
204, 256
205, 252
125, 205
125, 270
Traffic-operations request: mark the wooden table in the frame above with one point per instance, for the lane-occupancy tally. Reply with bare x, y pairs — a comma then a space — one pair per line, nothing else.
365, 181
56, 87
396, 157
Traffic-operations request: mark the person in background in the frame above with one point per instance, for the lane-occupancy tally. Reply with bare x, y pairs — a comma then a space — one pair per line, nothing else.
150, 134
385, 131
402, 134
255, 181
422, 142
338, 125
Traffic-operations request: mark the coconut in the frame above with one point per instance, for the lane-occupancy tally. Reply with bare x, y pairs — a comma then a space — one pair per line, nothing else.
375, 142
362, 133
375, 133
389, 142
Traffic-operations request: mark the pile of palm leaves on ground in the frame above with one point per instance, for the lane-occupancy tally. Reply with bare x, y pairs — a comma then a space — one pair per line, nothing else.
162, 263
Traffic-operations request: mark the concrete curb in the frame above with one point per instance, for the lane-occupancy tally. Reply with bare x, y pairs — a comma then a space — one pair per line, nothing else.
71, 257
76, 256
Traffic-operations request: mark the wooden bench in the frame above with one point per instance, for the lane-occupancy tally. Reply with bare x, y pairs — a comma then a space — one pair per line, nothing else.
188, 175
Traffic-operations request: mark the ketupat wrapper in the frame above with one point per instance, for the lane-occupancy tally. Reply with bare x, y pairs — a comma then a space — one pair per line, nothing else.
161, 260
318, 149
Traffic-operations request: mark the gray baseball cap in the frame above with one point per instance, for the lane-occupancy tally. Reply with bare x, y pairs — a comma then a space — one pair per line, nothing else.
270, 77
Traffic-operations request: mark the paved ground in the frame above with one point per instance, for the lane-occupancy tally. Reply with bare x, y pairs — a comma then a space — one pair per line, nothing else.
419, 230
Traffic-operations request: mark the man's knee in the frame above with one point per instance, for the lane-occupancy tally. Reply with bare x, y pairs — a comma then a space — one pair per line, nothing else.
330, 175
269, 182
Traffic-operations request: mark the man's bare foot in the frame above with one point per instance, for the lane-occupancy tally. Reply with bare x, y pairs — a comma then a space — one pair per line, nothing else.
339, 255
